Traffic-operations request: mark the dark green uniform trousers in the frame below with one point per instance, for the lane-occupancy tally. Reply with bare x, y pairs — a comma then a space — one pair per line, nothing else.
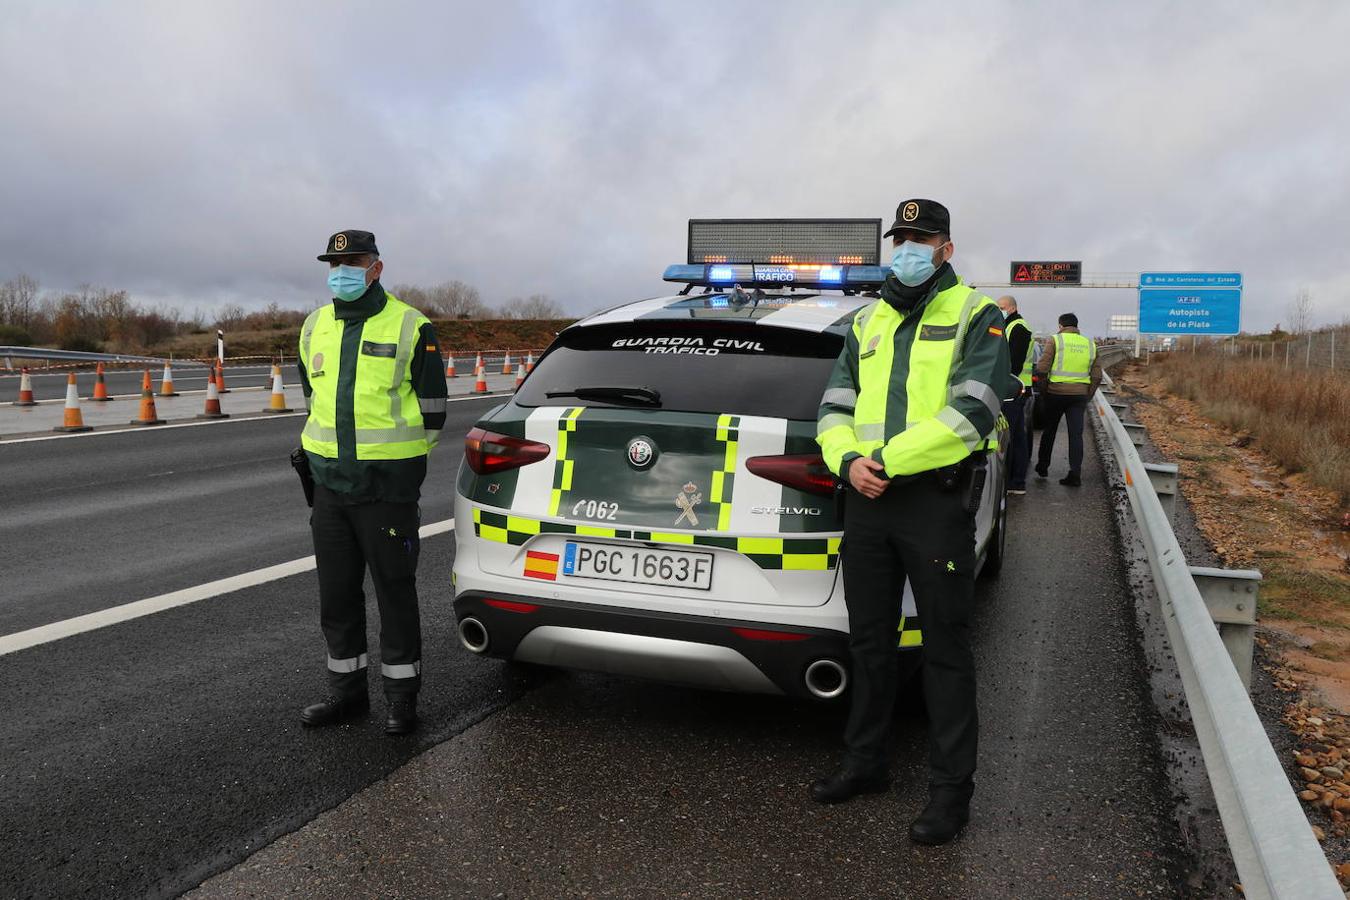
348, 538
914, 530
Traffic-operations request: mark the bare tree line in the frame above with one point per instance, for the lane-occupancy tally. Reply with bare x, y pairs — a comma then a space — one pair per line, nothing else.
98, 318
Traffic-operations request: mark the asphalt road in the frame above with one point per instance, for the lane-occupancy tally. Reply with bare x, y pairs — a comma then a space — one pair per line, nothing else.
143, 758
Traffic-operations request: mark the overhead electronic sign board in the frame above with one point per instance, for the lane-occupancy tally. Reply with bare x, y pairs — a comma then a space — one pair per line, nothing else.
1026, 272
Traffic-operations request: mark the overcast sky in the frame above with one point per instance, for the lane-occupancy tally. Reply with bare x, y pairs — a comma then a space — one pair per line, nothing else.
201, 153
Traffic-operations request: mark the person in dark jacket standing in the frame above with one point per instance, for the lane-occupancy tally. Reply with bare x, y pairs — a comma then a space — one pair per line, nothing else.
1018, 333
906, 421
371, 371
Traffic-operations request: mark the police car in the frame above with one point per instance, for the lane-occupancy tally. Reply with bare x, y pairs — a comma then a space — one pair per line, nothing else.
652, 502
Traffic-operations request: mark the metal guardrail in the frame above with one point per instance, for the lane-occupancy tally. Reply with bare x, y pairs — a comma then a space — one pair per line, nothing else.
77, 356
1273, 847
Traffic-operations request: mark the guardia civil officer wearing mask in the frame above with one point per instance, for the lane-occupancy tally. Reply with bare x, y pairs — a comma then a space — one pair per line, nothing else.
371, 371
905, 421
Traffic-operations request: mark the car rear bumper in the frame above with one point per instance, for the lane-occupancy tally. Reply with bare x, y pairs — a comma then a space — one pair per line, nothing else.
704, 652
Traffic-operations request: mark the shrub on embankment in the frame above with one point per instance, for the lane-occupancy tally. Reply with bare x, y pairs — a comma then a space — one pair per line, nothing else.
1301, 418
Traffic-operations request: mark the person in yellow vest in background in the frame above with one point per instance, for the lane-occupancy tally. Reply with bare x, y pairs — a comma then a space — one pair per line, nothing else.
906, 421
1020, 338
370, 367
1072, 374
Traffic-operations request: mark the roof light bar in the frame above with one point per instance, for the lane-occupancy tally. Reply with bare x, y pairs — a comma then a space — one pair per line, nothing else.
811, 275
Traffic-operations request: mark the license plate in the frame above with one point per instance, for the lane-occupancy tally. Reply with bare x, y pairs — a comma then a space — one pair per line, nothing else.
638, 565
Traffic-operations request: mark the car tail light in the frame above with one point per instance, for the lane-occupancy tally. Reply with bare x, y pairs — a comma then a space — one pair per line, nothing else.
511, 605
761, 634
803, 471
488, 452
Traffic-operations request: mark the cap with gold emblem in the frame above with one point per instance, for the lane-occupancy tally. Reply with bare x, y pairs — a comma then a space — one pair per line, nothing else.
349, 243
927, 216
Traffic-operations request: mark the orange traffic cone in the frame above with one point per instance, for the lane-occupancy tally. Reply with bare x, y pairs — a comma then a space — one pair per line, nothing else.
520, 374
100, 386
73, 420
278, 403
148, 415
480, 382
212, 402
506, 363
220, 378
478, 364
450, 365
25, 389
166, 385
529, 363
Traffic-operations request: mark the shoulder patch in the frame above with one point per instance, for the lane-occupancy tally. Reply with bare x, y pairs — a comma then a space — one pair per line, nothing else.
998, 332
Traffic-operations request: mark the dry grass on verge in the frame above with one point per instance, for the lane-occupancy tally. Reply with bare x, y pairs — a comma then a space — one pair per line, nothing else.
1300, 418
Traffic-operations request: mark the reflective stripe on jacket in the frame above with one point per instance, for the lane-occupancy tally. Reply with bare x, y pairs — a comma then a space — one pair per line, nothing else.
930, 405
1028, 363
385, 413
1074, 356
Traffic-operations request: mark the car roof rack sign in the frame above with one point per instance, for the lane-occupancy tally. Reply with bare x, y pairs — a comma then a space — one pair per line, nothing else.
838, 254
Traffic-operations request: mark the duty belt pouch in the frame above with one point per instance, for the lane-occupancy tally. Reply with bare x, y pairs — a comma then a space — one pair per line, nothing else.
300, 462
977, 468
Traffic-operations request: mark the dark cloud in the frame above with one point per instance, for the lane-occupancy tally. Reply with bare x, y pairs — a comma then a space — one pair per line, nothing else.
200, 153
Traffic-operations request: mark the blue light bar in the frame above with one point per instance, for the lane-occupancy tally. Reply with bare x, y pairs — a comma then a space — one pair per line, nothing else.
844, 277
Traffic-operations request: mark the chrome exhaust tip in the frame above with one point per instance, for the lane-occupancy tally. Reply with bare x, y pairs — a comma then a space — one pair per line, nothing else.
826, 679
473, 635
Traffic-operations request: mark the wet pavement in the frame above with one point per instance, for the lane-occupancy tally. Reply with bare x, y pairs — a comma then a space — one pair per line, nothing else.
605, 787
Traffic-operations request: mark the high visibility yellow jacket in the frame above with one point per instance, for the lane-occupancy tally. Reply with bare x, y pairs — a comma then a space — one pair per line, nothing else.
1027, 367
917, 390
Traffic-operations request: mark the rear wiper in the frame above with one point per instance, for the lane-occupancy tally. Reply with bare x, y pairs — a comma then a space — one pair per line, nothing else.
639, 396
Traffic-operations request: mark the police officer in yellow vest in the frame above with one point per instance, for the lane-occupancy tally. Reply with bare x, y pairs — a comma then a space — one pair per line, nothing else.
1020, 337
905, 421
1070, 367
371, 371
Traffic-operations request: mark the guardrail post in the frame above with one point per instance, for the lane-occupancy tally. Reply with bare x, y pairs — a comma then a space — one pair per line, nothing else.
1136, 433
1163, 476
1120, 408
1230, 595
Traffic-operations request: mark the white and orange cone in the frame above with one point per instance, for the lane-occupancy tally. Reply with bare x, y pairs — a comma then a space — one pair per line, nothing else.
480, 382
25, 389
529, 363
450, 365
506, 363
278, 402
520, 374
212, 402
166, 385
478, 364
73, 420
148, 414
100, 386
220, 379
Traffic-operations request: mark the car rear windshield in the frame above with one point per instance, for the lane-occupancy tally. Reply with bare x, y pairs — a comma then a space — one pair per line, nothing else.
711, 367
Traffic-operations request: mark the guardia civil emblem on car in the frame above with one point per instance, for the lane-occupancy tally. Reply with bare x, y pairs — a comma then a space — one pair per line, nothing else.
641, 453
686, 500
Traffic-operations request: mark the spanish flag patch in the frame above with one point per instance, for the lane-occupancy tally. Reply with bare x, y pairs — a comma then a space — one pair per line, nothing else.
541, 565
997, 332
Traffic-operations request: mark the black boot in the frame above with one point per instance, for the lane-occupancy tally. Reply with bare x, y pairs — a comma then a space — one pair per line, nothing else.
402, 714
847, 783
1042, 471
1071, 480
334, 709
941, 820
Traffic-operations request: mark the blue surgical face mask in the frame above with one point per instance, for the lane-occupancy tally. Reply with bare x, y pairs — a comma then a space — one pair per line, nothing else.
347, 282
912, 263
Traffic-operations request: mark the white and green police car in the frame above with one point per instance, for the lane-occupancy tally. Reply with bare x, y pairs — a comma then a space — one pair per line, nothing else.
652, 501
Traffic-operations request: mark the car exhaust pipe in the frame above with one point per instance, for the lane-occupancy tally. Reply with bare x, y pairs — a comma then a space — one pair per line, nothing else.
473, 635
826, 679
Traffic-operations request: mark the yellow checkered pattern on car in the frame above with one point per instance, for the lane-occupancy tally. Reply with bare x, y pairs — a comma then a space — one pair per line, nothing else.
805, 554
562, 469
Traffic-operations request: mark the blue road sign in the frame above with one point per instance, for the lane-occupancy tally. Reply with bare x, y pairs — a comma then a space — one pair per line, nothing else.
1191, 279
1184, 310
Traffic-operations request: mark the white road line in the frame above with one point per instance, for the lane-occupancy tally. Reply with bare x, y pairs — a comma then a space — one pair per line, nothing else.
248, 417
44, 634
